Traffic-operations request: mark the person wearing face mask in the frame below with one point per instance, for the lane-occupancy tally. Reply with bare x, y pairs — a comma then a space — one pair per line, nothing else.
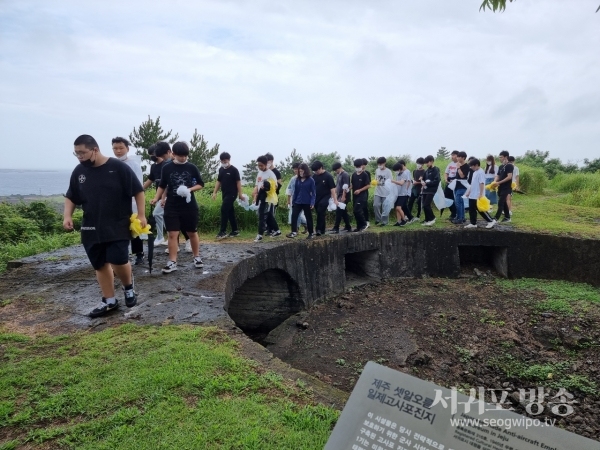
103, 187
365, 163
162, 155
382, 174
503, 180
266, 198
361, 182
120, 148
490, 174
180, 179
230, 183
415, 193
403, 181
303, 200
325, 190
277, 173
431, 181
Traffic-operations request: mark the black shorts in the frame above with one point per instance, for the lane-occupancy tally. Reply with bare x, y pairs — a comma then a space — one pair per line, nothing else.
182, 220
100, 253
401, 201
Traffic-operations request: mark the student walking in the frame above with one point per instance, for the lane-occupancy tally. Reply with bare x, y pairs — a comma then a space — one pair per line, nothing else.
365, 204
162, 155
277, 173
403, 181
431, 181
462, 176
325, 187
104, 187
265, 195
230, 183
504, 180
382, 174
476, 191
417, 186
343, 196
180, 179
305, 194
289, 191
360, 182
517, 180
449, 175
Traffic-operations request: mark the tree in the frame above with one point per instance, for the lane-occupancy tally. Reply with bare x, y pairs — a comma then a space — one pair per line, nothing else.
442, 153
552, 166
250, 172
286, 166
203, 157
348, 164
148, 133
499, 5
326, 158
591, 166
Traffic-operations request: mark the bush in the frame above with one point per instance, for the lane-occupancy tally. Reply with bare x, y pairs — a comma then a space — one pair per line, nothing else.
43, 214
582, 189
13, 227
532, 180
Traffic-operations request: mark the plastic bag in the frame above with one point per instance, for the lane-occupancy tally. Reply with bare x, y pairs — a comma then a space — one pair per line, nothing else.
483, 204
332, 206
440, 200
390, 200
244, 203
184, 191
135, 226
341, 205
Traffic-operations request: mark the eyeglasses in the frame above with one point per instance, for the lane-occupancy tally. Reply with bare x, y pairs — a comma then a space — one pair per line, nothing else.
80, 155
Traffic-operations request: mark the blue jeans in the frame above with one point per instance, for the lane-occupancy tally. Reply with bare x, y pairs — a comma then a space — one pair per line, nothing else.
460, 203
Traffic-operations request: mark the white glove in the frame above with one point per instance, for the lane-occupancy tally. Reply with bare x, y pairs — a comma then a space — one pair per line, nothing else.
345, 187
184, 191
341, 205
427, 181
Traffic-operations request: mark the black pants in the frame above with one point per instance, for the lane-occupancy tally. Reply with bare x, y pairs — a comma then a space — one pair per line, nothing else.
266, 219
427, 199
137, 246
307, 213
321, 209
449, 193
473, 212
404, 205
269, 228
415, 197
228, 213
503, 205
359, 213
342, 214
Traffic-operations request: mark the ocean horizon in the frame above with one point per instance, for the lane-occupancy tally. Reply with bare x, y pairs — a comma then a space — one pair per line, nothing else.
34, 182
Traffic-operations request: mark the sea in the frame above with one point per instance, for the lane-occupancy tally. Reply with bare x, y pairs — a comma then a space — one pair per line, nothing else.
33, 182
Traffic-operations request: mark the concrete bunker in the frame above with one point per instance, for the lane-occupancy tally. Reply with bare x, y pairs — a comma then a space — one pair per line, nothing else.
361, 266
265, 301
486, 256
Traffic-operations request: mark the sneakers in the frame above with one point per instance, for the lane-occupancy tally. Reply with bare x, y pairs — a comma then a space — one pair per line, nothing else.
139, 259
382, 224
310, 236
366, 226
158, 242
334, 231
167, 250
170, 267
471, 225
397, 224
491, 224
428, 224
403, 223
235, 233
356, 230
506, 220
221, 235
258, 238
318, 233
458, 221
103, 308
276, 233
130, 296
291, 235
304, 229
188, 246
347, 230
198, 264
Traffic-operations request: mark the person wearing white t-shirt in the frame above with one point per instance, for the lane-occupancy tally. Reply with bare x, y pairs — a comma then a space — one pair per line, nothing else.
475, 192
449, 175
265, 195
382, 174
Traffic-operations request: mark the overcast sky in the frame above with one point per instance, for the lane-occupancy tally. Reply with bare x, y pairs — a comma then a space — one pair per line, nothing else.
361, 78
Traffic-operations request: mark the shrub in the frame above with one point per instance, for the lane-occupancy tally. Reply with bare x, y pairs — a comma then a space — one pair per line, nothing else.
532, 180
13, 227
43, 214
582, 189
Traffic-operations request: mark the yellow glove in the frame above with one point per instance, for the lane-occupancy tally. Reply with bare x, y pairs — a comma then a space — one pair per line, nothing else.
136, 226
374, 183
492, 186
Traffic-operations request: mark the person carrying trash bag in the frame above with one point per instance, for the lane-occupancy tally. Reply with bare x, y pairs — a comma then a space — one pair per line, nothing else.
476, 194
342, 189
305, 194
265, 196
431, 181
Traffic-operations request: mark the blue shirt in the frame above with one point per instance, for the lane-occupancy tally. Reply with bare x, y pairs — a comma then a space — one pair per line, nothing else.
305, 192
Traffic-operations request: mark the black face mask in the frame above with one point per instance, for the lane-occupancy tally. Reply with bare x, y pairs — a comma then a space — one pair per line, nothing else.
88, 162
153, 158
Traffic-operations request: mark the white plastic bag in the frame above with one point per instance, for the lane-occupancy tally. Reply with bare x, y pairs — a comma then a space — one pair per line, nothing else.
390, 200
341, 205
184, 191
244, 203
440, 200
332, 206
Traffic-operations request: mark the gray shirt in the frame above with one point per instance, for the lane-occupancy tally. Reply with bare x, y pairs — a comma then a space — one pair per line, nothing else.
404, 190
381, 176
342, 179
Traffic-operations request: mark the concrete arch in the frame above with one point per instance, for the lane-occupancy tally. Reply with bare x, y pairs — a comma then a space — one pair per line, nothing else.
265, 301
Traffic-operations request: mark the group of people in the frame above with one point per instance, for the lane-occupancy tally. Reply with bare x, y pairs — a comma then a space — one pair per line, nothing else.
109, 190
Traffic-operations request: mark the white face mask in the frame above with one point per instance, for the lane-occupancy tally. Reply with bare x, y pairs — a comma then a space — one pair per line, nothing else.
269, 165
419, 166
225, 166
123, 158
358, 169
382, 167
179, 162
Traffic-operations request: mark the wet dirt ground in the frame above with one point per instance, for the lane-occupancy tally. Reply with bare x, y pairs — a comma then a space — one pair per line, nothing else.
465, 333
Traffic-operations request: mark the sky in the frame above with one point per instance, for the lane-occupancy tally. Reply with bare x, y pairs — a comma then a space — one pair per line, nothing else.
360, 78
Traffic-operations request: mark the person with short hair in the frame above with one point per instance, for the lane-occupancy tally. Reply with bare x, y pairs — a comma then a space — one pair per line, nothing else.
343, 196
290, 195
449, 175
277, 173
476, 191
382, 174
305, 194
104, 187
403, 181
431, 181
365, 163
490, 174
162, 156
325, 188
180, 179
503, 181
417, 186
264, 194
462, 177
360, 182
230, 183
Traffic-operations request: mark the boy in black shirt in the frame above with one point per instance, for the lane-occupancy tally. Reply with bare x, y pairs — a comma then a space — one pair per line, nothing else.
103, 187
361, 182
231, 188
179, 180
431, 181
343, 196
415, 193
325, 187
365, 163
504, 181
462, 177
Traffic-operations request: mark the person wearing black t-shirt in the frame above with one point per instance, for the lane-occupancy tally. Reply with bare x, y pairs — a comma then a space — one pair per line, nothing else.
365, 163
431, 181
462, 176
325, 187
415, 193
162, 153
103, 187
504, 180
230, 183
361, 182
179, 180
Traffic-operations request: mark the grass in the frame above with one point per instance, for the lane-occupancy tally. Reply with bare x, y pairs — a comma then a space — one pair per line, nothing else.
150, 387
36, 245
562, 297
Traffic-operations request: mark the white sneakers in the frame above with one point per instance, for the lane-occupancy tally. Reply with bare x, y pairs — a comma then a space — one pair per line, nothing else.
471, 225
428, 224
188, 246
491, 224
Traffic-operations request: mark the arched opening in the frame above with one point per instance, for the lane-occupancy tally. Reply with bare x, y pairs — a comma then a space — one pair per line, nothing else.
262, 303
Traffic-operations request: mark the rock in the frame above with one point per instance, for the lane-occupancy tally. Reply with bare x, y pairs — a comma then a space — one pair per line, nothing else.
547, 314
577, 419
345, 305
303, 325
478, 272
546, 335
